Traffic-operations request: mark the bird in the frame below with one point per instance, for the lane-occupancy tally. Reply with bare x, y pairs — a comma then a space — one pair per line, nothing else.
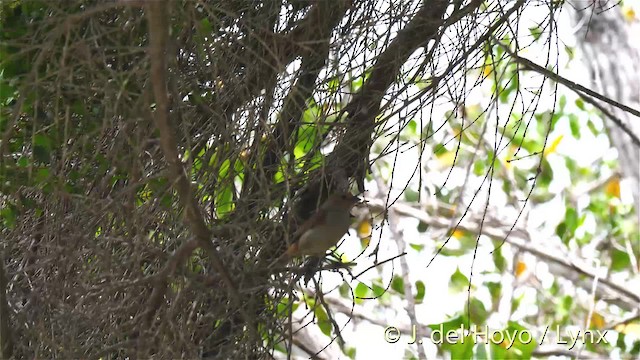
323, 229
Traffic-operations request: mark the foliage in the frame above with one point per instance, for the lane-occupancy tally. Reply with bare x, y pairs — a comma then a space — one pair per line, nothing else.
112, 245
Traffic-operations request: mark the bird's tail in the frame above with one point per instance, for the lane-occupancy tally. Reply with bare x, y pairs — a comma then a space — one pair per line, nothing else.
291, 252
280, 260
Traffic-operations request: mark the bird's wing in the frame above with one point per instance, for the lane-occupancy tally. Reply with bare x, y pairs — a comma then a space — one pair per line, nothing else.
292, 250
318, 218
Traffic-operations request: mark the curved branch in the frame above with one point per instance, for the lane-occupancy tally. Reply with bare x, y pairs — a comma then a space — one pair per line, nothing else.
6, 341
519, 238
159, 32
584, 92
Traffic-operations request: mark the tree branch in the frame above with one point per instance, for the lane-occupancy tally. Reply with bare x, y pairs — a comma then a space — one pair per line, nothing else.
520, 239
584, 92
6, 339
159, 32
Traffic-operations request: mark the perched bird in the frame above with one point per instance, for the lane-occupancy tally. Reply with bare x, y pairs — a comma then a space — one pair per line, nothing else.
324, 229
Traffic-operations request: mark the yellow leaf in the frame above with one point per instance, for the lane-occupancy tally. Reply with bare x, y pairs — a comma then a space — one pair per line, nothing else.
628, 13
244, 154
554, 146
521, 267
457, 233
629, 329
456, 131
473, 111
508, 165
487, 69
447, 211
509, 156
597, 321
612, 187
364, 229
365, 241
447, 158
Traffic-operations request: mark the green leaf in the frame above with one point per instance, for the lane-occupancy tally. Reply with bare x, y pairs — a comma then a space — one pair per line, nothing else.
41, 154
344, 290
506, 185
420, 291
450, 325
424, 83
574, 124
333, 84
411, 195
412, 126
580, 104
41, 148
571, 165
521, 347
422, 227
7, 93
458, 281
9, 214
479, 168
397, 284
417, 247
515, 303
495, 289
350, 352
362, 291
535, 31
278, 177
42, 176
620, 260
592, 128
284, 308
356, 84
546, 175
439, 149
563, 308
278, 347
478, 313
453, 252
378, 291
307, 136
205, 27
569, 50
561, 230
463, 349
23, 161
79, 108
562, 102
323, 320
224, 202
409, 131
42, 140
481, 352
498, 259
408, 355
224, 169
571, 219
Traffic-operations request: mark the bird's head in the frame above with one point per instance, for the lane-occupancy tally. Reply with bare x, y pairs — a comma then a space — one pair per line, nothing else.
343, 200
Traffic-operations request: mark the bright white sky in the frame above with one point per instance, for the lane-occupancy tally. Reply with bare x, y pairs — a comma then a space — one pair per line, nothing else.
439, 303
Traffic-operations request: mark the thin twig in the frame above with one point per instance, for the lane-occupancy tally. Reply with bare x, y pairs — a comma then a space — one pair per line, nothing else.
586, 93
159, 32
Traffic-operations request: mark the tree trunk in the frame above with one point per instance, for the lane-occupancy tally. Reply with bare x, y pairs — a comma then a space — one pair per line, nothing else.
612, 56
